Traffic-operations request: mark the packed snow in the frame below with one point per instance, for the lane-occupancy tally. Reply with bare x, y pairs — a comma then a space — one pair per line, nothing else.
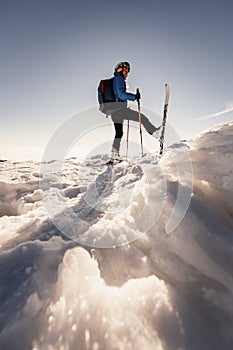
130, 257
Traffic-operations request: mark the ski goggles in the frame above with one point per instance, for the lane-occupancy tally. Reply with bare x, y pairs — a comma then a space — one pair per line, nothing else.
125, 68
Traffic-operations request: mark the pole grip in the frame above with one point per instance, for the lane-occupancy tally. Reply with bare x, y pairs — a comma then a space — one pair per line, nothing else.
137, 90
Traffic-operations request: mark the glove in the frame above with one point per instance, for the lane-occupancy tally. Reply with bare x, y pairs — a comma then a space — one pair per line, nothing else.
137, 96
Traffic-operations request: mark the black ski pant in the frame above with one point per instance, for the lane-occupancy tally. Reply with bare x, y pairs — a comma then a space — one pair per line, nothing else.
128, 114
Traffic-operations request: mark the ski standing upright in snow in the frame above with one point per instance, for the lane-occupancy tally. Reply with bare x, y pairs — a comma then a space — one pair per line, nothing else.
167, 94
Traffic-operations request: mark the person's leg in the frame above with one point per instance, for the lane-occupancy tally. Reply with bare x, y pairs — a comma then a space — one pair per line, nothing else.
118, 137
130, 114
117, 118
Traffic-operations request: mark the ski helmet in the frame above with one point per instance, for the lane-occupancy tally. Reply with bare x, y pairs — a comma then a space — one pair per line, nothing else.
123, 65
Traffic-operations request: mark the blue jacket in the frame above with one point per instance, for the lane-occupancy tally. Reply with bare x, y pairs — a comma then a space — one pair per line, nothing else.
119, 86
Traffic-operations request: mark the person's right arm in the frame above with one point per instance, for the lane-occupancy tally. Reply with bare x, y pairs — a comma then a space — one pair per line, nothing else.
121, 91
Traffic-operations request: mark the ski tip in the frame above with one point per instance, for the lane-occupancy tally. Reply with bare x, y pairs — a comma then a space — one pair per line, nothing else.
167, 88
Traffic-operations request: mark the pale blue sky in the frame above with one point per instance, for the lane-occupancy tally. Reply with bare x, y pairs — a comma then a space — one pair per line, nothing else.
54, 52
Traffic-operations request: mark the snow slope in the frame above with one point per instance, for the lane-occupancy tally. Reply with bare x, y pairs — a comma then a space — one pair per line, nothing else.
138, 256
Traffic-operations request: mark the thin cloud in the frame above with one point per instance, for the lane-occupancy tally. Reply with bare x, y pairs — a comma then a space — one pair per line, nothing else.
228, 109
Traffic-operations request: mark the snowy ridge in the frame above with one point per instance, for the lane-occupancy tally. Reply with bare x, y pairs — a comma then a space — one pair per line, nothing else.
158, 288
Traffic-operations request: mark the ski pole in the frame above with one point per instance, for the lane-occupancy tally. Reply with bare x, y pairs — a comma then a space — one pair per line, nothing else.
127, 141
140, 122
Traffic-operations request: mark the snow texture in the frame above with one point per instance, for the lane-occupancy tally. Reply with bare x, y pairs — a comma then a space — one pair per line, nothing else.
115, 264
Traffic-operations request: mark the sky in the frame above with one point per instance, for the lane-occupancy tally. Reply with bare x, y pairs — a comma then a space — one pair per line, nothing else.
54, 53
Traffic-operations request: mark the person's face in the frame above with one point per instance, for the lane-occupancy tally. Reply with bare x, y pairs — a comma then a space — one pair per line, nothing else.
125, 72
